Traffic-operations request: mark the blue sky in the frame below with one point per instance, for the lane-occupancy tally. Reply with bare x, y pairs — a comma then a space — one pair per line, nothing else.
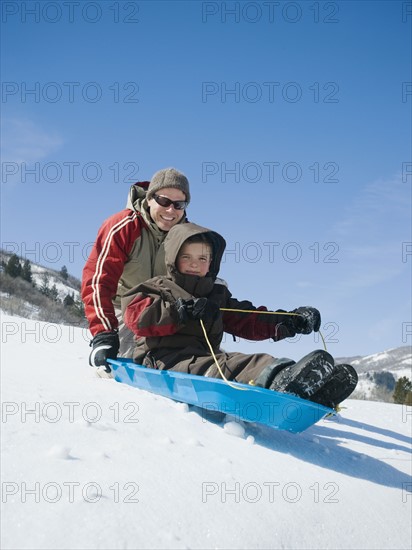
292, 121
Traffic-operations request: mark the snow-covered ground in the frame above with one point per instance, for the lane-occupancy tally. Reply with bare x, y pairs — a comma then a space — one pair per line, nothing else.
90, 463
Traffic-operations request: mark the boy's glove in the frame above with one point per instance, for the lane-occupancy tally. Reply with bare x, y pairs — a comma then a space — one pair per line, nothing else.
105, 346
308, 320
198, 308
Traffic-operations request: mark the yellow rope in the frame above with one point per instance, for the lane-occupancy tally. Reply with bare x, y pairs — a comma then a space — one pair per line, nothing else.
323, 340
244, 311
216, 361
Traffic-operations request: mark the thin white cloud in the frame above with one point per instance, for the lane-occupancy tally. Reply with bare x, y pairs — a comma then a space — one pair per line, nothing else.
304, 284
367, 276
22, 140
379, 207
371, 234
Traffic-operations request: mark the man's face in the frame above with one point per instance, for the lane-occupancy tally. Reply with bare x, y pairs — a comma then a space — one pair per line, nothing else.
165, 217
194, 259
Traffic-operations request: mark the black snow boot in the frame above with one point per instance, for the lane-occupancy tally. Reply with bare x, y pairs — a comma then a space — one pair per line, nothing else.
340, 385
307, 375
265, 378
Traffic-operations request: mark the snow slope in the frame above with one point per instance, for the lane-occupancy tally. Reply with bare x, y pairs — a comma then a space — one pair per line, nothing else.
54, 278
90, 463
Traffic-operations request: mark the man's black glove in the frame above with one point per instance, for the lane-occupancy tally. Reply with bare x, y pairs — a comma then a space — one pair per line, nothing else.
105, 346
198, 308
307, 321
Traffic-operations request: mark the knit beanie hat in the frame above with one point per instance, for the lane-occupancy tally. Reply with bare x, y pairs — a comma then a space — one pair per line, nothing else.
168, 177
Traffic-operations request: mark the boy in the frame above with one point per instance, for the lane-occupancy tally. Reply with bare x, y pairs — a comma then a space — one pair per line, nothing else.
164, 313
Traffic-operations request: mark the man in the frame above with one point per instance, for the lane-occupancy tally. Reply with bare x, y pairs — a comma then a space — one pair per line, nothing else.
129, 250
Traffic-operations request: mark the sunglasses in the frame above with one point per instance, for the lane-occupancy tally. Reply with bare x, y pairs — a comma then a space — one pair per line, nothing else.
165, 202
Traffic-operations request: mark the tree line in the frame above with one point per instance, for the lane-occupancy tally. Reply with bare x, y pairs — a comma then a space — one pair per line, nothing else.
403, 391
15, 268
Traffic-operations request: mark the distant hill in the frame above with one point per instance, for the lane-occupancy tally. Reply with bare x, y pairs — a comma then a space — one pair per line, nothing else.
378, 373
40, 293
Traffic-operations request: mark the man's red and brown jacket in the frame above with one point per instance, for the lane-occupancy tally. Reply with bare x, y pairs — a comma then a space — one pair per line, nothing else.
128, 250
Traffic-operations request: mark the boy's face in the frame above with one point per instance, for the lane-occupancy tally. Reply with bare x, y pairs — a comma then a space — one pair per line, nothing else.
194, 259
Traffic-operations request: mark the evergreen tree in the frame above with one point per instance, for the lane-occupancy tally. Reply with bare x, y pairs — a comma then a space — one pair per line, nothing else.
13, 267
64, 273
79, 308
403, 391
44, 288
385, 379
54, 293
26, 273
69, 300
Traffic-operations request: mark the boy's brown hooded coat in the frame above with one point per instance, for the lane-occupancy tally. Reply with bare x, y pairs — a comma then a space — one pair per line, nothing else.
163, 342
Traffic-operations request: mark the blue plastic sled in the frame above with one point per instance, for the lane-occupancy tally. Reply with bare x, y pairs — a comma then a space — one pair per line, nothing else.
278, 410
